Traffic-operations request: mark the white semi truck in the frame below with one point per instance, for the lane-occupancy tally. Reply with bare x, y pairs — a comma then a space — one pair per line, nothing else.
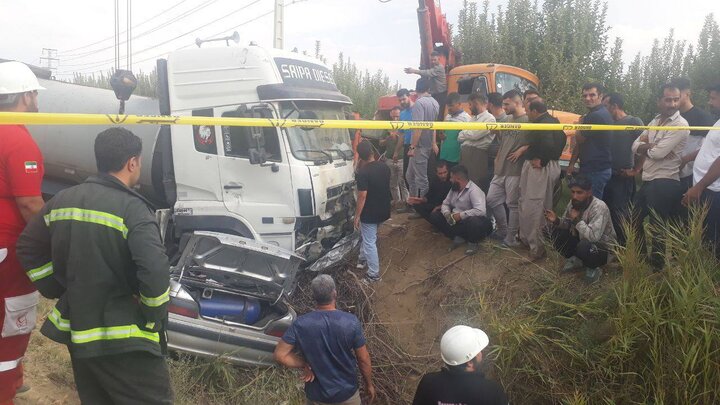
289, 187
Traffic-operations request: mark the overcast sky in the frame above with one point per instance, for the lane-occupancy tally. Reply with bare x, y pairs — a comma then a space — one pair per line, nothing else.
374, 34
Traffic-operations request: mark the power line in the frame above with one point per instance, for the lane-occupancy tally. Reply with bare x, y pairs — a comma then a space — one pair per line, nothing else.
94, 69
191, 45
142, 34
96, 63
65, 53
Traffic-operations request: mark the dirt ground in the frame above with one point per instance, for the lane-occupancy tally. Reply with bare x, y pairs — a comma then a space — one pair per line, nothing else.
421, 283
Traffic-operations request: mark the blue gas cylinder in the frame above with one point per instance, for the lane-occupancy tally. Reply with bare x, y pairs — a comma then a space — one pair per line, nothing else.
233, 308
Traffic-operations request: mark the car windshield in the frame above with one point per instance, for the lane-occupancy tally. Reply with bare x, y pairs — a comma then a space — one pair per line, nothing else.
317, 144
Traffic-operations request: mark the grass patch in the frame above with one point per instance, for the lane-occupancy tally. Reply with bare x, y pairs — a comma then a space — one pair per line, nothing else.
636, 339
218, 382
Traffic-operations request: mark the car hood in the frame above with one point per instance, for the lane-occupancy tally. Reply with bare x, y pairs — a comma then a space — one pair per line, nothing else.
233, 262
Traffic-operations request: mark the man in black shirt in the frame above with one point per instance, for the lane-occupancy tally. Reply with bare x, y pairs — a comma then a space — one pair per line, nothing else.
373, 207
620, 190
461, 382
439, 189
695, 117
540, 174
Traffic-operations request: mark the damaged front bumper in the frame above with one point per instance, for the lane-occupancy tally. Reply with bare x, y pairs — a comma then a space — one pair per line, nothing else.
316, 236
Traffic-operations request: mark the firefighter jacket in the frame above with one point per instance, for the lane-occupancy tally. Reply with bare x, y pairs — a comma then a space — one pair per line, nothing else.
97, 248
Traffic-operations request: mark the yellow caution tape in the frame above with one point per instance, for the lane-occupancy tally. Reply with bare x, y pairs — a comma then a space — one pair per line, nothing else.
110, 119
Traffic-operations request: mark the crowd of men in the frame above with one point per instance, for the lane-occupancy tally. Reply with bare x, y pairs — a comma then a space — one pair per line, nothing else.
474, 184
469, 184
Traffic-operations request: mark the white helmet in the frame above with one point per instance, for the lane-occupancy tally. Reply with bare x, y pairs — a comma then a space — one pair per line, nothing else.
16, 77
461, 344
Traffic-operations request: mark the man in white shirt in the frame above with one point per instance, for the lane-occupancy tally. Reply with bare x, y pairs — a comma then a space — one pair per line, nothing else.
462, 216
661, 189
706, 175
475, 143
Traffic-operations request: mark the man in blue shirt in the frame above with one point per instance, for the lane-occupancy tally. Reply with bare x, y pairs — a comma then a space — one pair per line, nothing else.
593, 147
327, 339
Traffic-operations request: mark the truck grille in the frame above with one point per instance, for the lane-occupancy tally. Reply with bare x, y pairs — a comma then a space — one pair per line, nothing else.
337, 191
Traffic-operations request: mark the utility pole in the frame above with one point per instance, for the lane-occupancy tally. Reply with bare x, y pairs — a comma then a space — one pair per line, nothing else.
279, 24
49, 60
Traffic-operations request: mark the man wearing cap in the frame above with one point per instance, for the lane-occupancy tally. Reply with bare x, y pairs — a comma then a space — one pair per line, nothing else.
585, 234
21, 172
460, 381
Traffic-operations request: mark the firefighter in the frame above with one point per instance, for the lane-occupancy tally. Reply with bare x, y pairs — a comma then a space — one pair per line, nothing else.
96, 247
21, 171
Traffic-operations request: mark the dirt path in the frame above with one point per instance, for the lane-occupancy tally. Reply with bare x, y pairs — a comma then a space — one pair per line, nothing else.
419, 275
423, 283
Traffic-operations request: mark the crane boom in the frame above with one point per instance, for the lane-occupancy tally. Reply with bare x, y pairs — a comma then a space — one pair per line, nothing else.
435, 34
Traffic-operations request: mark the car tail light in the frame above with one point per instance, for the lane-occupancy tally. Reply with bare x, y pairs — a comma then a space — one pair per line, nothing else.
180, 308
276, 330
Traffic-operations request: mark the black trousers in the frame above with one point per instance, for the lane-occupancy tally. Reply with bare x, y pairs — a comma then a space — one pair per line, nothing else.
134, 378
661, 196
687, 182
619, 193
440, 98
424, 210
472, 229
570, 245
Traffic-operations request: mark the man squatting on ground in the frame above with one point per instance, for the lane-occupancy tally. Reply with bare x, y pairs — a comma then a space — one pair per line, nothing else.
439, 188
462, 216
584, 235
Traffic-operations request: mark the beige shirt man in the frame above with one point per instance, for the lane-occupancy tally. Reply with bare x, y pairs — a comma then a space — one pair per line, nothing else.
663, 157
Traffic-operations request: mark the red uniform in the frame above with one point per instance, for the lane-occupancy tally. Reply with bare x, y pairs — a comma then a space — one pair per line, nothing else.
21, 172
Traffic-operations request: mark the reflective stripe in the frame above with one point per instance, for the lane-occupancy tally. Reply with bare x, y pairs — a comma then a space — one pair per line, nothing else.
156, 301
40, 272
112, 333
59, 322
150, 325
82, 215
9, 365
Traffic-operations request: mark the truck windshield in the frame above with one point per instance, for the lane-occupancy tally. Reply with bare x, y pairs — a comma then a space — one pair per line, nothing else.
507, 81
317, 144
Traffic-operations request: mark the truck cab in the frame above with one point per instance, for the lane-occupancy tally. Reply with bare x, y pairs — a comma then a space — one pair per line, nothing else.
290, 187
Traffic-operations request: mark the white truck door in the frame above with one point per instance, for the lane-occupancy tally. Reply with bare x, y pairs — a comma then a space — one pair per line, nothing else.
255, 175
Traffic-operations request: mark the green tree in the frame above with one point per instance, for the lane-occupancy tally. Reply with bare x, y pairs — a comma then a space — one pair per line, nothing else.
566, 43
363, 88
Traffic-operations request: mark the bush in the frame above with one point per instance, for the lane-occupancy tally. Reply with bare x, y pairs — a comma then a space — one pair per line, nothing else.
639, 338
